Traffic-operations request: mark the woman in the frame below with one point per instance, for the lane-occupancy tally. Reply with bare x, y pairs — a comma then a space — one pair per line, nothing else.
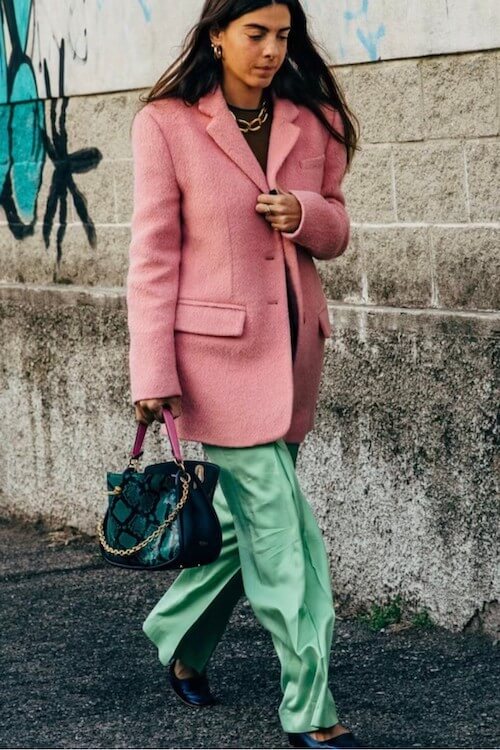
239, 155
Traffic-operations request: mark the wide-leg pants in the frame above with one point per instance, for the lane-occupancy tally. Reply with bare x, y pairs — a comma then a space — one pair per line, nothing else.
273, 552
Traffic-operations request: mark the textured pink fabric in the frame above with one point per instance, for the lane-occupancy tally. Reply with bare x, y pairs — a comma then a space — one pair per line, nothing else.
206, 293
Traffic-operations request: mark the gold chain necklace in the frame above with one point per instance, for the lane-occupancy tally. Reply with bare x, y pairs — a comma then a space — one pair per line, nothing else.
254, 124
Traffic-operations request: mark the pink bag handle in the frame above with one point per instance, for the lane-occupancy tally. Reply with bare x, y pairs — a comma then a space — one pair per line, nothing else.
172, 436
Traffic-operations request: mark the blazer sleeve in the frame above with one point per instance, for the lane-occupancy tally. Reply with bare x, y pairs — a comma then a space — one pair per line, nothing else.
324, 228
154, 260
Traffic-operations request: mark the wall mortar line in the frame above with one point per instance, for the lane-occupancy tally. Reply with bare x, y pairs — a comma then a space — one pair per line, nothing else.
426, 224
466, 183
490, 315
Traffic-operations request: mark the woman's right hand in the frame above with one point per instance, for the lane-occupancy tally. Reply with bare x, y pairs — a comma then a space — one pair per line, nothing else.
150, 409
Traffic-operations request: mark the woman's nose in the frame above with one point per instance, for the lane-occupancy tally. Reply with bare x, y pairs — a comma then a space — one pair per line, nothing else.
271, 51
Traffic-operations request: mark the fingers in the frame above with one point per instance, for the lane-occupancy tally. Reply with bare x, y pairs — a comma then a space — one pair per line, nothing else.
277, 209
174, 404
150, 410
265, 202
277, 221
143, 414
282, 211
272, 217
263, 208
274, 223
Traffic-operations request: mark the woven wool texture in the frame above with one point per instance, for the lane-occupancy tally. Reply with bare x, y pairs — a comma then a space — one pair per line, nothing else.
206, 292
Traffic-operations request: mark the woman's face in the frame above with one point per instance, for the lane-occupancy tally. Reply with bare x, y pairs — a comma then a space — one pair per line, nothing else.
253, 42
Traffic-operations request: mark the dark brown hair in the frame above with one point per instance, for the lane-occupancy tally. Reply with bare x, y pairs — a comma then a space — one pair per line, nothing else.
304, 78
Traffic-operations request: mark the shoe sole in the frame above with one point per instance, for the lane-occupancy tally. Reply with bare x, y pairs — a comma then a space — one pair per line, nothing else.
195, 705
295, 743
192, 705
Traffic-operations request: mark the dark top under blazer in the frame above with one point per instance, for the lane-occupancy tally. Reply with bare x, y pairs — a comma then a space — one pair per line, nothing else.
258, 140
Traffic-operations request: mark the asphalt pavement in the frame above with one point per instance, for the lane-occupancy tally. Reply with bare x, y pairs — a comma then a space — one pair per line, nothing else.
78, 672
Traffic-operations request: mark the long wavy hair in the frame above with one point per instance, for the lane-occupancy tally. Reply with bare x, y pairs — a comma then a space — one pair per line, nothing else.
304, 77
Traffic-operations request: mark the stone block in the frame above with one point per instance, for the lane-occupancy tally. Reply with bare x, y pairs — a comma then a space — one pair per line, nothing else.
460, 95
98, 189
398, 265
483, 173
467, 267
7, 264
123, 178
430, 182
343, 75
26, 260
24, 257
104, 265
386, 97
103, 122
368, 186
342, 277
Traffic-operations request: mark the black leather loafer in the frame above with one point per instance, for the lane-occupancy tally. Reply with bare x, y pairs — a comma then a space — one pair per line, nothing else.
194, 691
304, 739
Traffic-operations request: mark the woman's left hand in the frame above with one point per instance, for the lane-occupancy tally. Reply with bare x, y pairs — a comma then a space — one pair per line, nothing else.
286, 210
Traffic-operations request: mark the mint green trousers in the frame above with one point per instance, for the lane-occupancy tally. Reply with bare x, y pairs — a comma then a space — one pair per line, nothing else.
273, 552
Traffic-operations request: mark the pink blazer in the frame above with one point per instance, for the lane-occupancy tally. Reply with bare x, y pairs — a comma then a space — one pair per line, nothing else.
206, 293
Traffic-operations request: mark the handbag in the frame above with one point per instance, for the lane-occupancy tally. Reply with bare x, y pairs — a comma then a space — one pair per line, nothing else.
163, 517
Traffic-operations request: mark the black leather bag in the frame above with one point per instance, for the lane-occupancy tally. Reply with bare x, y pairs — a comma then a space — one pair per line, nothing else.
161, 518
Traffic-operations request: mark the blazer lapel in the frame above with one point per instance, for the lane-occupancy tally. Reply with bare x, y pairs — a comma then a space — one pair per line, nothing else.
283, 136
224, 129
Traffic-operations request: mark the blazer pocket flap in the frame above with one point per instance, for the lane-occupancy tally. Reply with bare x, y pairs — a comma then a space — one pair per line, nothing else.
312, 161
210, 318
324, 322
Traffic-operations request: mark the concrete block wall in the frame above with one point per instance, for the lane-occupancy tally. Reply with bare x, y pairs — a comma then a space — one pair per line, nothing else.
402, 468
424, 193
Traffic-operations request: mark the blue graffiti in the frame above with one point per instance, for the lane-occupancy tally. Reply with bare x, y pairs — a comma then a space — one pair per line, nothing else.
22, 122
25, 142
351, 15
145, 9
369, 39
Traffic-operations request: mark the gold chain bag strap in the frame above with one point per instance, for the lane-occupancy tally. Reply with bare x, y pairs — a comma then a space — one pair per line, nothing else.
162, 517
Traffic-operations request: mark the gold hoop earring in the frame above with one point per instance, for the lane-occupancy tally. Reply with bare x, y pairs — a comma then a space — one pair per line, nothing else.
217, 51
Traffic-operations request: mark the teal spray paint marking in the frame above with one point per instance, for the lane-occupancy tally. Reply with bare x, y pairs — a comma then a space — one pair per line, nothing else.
22, 121
4, 110
370, 39
25, 143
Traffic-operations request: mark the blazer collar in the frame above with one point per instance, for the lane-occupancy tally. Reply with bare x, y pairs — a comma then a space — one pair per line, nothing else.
223, 128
